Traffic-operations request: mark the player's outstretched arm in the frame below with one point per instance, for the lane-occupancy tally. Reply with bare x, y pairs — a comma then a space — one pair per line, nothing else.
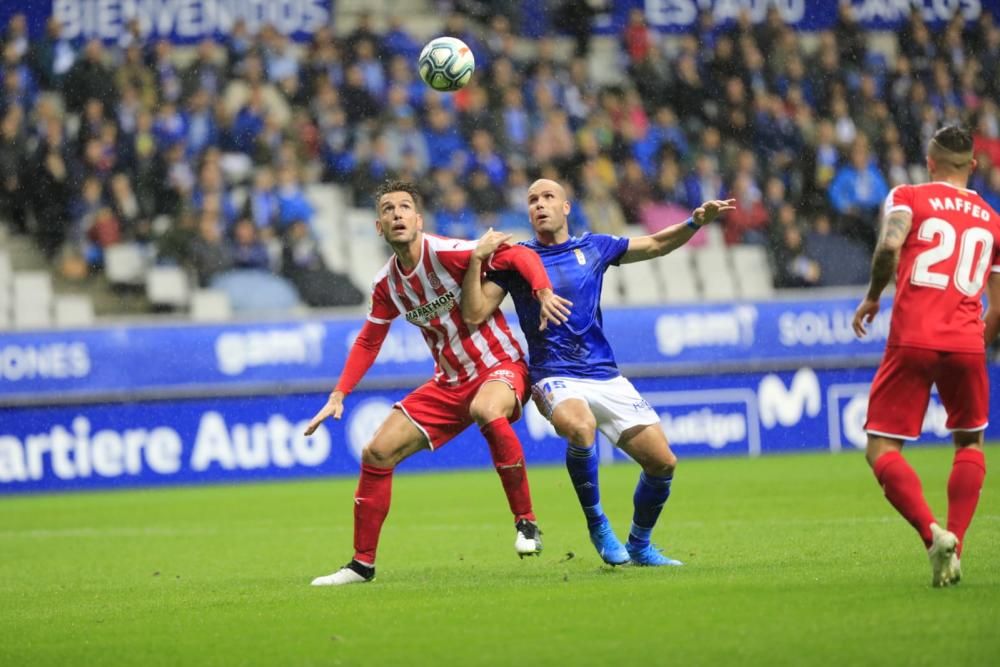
361, 357
670, 238
894, 231
992, 309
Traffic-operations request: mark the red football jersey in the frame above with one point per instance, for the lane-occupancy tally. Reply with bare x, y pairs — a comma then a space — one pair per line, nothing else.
429, 298
953, 245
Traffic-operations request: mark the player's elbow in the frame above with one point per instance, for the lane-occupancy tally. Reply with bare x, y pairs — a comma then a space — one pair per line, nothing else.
887, 248
473, 319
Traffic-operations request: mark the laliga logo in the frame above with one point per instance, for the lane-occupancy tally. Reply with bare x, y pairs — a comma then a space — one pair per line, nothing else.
779, 405
364, 421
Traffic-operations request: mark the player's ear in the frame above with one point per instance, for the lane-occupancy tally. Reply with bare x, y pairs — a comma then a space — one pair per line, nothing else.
973, 165
931, 166
566, 207
378, 227
420, 223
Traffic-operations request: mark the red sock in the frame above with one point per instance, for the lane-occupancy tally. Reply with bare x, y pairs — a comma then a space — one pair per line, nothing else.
508, 457
964, 485
371, 506
902, 489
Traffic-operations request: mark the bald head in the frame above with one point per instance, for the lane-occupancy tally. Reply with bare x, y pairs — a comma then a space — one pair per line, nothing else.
543, 184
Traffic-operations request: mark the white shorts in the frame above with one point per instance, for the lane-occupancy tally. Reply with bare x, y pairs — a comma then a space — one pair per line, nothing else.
616, 404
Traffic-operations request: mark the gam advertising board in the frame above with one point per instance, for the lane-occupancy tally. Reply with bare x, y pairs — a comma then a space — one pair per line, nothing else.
251, 438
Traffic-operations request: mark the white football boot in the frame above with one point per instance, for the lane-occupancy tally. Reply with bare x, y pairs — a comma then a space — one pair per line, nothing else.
352, 573
940, 554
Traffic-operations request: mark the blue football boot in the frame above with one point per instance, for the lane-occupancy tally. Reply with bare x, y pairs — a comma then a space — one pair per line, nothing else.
611, 550
649, 555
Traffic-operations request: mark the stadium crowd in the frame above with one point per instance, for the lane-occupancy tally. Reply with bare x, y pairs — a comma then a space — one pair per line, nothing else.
104, 143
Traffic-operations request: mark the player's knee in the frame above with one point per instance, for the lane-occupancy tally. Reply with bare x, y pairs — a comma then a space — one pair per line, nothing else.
374, 456
486, 410
579, 433
663, 466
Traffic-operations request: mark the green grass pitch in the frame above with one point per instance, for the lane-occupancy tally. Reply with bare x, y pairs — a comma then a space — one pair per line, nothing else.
791, 560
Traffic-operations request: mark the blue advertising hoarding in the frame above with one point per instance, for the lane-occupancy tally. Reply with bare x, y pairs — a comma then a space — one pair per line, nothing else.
186, 21
180, 21
808, 15
240, 439
282, 357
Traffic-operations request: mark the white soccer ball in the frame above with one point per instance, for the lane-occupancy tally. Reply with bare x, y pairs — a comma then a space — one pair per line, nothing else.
446, 64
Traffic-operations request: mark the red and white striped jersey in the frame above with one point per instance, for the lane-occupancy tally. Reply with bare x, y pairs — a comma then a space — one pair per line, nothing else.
429, 298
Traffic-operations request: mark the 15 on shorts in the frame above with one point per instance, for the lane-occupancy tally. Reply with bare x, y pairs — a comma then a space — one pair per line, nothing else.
901, 391
616, 404
441, 412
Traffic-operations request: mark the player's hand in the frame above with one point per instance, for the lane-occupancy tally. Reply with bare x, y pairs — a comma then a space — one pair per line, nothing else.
711, 210
864, 315
554, 308
334, 408
489, 242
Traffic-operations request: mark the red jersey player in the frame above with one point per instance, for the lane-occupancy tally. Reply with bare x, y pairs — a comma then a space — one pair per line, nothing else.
480, 373
946, 241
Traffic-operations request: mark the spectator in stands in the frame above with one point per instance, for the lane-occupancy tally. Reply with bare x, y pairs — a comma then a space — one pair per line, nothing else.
748, 222
794, 267
856, 194
600, 207
841, 261
636, 38
134, 221
292, 202
456, 218
446, 147
52, 56
209, 253
484, 196
248, 251
303, 264
397, 41
13, 151
51, 188
634, 190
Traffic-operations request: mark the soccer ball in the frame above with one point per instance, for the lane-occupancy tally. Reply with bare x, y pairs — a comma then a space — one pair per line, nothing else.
446, 64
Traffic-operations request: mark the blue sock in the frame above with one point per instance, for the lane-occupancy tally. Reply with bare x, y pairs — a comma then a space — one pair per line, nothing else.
581, 462
651, 495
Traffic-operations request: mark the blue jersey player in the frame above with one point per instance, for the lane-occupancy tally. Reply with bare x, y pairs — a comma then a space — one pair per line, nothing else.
575, 381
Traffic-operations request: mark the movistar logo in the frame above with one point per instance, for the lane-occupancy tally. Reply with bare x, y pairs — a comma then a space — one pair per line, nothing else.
428, 311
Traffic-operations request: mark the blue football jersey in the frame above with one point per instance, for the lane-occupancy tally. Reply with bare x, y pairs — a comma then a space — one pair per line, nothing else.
578, 348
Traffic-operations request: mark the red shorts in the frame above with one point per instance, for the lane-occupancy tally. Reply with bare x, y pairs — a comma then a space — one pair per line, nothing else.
902, 388
442, 412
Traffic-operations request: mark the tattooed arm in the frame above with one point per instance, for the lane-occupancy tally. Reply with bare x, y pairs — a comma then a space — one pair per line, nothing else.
894, 232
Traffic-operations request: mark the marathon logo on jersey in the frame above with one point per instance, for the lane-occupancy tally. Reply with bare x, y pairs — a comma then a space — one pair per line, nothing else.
959, 206
431, 310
